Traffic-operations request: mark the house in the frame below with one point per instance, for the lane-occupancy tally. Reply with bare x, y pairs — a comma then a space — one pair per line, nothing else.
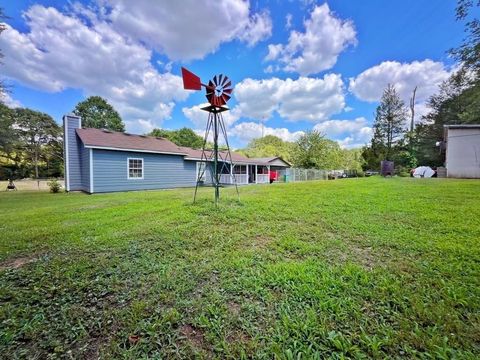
98, 161
462, 151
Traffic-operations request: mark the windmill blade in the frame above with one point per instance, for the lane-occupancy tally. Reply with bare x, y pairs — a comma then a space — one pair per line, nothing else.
228, 91
226, 97
225, 80
220, 79
227, 85
215, 80
190, 80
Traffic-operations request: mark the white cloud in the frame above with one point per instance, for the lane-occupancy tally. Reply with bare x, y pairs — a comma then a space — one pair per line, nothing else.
318, 48
8, 101
199, 117
348, 133
259, 27
61, 51
247, 131
427, 75
311, 99
187, 29
288, 21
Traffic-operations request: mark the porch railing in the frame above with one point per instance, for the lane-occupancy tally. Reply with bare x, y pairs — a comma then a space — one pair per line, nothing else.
262, 178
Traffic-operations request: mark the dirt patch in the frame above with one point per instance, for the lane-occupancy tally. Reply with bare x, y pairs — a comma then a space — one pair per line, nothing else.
17, 262
233, 308
239, 337
193, 335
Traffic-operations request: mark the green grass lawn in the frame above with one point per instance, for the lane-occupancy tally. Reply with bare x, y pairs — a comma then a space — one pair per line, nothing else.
355, 268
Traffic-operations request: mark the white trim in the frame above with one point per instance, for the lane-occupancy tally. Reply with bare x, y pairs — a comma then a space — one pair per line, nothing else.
65, 144
128, 169
133, 150
197, 171
91, 171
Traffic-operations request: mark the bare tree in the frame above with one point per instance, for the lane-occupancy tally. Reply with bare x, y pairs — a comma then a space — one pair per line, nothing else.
412, 109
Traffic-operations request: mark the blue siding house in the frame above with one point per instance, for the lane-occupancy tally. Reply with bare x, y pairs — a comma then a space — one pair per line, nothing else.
98, 161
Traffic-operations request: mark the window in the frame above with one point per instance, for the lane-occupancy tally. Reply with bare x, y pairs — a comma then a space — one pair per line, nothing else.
135, 168
201, 169
240, 169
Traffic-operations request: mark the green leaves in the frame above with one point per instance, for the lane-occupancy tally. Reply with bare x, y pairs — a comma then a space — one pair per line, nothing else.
97, 113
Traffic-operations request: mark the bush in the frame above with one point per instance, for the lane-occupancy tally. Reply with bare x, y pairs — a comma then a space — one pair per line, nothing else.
54, 186
360, 173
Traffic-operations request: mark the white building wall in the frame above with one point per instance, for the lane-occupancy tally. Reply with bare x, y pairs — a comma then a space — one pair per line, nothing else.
463, 153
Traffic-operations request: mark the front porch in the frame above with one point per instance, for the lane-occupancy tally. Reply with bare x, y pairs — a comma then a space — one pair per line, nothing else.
244, 174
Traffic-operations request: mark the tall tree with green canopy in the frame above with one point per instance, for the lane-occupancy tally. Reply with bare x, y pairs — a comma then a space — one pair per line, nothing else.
390, 120
97, 113
36, 132
181, 137
268, 146
314, 151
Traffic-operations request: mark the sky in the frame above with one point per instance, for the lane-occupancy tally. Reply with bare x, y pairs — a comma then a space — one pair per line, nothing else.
295, 65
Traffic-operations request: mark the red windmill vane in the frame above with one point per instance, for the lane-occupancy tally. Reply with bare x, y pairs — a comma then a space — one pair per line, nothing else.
218, 91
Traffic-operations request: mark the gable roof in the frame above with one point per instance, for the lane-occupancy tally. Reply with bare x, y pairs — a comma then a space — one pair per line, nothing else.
268, 160
114, 140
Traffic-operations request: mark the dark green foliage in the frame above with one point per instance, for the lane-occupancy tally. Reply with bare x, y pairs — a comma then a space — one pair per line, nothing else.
355, 268
97, 113
38, 135
389, 125
181, 137
468, 53
457, 102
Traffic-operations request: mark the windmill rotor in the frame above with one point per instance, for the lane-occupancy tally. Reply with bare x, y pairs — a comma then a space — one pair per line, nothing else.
218, 90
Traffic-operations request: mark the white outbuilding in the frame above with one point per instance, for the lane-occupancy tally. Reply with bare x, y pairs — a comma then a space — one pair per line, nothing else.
462, 151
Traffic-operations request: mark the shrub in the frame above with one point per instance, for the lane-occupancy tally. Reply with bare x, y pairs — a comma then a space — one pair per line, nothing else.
360, 173
54, 186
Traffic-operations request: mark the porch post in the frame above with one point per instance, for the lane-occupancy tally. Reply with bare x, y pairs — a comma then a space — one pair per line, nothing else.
268, 168
248, 182
231, 173
256, 174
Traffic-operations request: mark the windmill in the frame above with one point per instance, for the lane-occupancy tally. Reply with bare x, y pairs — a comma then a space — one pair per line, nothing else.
218, 91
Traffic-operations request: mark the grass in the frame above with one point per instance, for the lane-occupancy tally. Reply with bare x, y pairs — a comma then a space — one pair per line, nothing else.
356, 268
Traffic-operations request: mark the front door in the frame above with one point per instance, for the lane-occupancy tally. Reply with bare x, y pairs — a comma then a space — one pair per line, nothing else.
251, 174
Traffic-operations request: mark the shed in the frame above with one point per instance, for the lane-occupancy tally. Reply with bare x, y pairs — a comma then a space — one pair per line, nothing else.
462, 150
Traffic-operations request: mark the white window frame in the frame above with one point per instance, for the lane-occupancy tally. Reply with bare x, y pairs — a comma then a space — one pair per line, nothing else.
128, 169
197, 172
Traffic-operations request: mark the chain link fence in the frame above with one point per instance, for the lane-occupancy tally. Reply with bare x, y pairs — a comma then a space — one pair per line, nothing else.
297, 174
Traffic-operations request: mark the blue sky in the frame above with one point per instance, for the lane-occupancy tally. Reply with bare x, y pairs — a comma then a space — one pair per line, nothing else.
296, 65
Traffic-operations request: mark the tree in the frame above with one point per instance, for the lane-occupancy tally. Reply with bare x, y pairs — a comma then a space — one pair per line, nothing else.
97, 113
181, 137
36, 132
468, 53
314, 151
8, 134
390, 120
268, 146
